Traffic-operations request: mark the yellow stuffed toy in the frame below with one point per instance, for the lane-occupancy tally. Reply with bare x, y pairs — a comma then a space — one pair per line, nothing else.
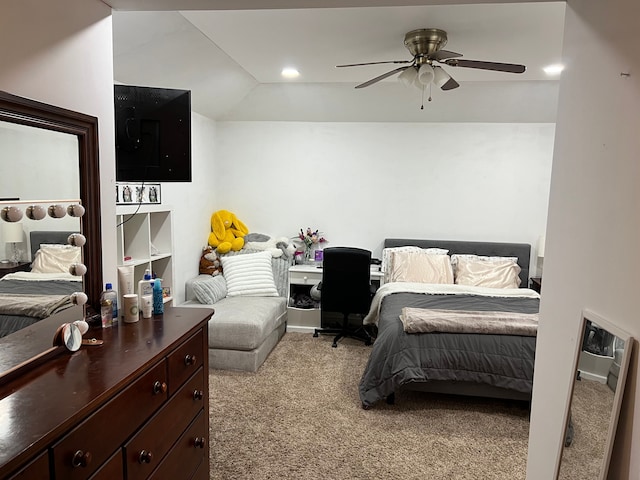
227, 232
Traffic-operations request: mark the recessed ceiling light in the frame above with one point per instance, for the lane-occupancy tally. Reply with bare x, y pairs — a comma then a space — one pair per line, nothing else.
290, 72
553, 69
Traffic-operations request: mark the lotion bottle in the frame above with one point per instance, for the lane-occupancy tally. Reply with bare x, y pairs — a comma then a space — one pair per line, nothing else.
145, 286
158, 300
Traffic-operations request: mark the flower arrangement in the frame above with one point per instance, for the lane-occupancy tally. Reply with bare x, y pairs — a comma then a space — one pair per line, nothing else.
309, 239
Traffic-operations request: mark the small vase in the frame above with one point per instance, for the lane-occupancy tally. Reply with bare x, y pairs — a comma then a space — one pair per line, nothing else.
308, 255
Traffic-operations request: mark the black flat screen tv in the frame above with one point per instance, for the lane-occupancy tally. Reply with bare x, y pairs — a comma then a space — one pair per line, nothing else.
153, 134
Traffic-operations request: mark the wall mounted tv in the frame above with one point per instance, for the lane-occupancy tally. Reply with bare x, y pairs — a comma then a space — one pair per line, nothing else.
153, 134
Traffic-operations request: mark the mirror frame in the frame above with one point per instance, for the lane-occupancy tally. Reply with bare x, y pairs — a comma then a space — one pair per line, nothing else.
589, 315
15, 109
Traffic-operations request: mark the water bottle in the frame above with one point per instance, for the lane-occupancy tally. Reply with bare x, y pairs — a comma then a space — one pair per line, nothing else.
158, 301
111, 294
109, 306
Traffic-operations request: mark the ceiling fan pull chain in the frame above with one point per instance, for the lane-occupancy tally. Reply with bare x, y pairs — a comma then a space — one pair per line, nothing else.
422, 106
430, 92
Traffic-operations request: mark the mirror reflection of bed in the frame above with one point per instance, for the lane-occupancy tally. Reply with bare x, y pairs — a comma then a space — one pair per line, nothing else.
27, 297
600, 372
52, 153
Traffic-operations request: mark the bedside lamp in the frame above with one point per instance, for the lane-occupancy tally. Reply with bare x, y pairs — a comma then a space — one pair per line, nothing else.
12, 233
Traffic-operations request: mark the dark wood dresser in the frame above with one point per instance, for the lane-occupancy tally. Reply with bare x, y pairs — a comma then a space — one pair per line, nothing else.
133, 408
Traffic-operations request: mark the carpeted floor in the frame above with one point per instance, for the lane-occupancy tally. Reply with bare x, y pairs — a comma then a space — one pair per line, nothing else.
591, 407
299, 417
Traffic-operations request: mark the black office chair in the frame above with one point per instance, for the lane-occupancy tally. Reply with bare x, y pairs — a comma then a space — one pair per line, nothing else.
346, 289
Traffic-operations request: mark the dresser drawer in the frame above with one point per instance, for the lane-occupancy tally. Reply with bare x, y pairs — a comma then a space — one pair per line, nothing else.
202, 473
113, 469
145, 450
187, 454
185, 360
37, 469
305, 278
86, 447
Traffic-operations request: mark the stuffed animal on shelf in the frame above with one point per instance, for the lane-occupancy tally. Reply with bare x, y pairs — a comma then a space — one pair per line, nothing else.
210, 263
227, 232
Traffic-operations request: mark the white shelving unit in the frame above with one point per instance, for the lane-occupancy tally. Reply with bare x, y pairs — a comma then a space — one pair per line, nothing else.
145, 240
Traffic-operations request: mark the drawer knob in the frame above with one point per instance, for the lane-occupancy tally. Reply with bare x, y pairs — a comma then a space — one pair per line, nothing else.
198, 394
81, 459
159, 387
145, 456
190, 359
198, 442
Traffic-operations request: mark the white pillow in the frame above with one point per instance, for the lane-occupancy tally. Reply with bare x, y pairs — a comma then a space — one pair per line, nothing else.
250, 274
420, 267
209, 290
386, 266
500, 272
53, 258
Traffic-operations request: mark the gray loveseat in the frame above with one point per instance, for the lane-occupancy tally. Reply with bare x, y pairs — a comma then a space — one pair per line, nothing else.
244, 329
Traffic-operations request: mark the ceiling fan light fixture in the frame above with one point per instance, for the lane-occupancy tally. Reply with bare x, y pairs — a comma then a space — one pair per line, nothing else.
425, 74
408, 77
440, 77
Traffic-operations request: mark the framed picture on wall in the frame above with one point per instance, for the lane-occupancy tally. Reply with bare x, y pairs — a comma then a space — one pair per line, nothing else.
128, 193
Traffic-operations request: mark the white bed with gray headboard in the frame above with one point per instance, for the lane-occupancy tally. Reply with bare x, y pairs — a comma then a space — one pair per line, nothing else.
462, 323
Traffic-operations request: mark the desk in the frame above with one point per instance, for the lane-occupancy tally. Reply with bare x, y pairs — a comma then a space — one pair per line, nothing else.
302, 278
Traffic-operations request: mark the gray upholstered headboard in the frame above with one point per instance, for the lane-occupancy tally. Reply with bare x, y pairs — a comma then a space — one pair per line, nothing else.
497, 249
38, 237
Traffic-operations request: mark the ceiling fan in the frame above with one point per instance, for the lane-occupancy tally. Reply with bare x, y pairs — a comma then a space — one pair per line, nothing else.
425, 44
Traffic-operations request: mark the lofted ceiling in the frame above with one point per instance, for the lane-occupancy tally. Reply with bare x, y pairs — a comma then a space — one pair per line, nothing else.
231, 60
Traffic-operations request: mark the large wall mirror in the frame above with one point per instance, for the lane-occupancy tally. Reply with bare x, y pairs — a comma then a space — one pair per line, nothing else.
591, 419
52, 153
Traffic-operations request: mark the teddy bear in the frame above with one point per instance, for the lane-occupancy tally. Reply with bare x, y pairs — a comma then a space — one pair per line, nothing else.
210, 263
227, 232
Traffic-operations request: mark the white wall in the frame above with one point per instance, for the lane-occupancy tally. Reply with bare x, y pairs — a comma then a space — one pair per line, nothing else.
61, 53
361, 182
192, 204
591, 258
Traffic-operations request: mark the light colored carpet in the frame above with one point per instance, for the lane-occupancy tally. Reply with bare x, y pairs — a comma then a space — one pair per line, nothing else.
299, 417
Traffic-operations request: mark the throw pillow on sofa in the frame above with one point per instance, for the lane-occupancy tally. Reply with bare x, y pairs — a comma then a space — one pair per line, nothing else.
249, 275
209, 290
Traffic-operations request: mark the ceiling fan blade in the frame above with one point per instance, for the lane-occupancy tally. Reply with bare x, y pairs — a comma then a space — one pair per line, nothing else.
443, 55
450, 85
373, 63
382, 77
498, 67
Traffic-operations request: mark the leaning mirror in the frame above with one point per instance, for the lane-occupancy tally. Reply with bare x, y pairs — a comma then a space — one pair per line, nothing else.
49, 162
591, 419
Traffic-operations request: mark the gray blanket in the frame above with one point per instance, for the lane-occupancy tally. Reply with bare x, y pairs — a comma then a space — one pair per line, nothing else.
399, 358
427, 320
15, 318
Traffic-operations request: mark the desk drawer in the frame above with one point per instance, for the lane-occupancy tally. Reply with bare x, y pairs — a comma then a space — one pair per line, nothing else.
304, 278
87, 446
185, 360
145, 450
